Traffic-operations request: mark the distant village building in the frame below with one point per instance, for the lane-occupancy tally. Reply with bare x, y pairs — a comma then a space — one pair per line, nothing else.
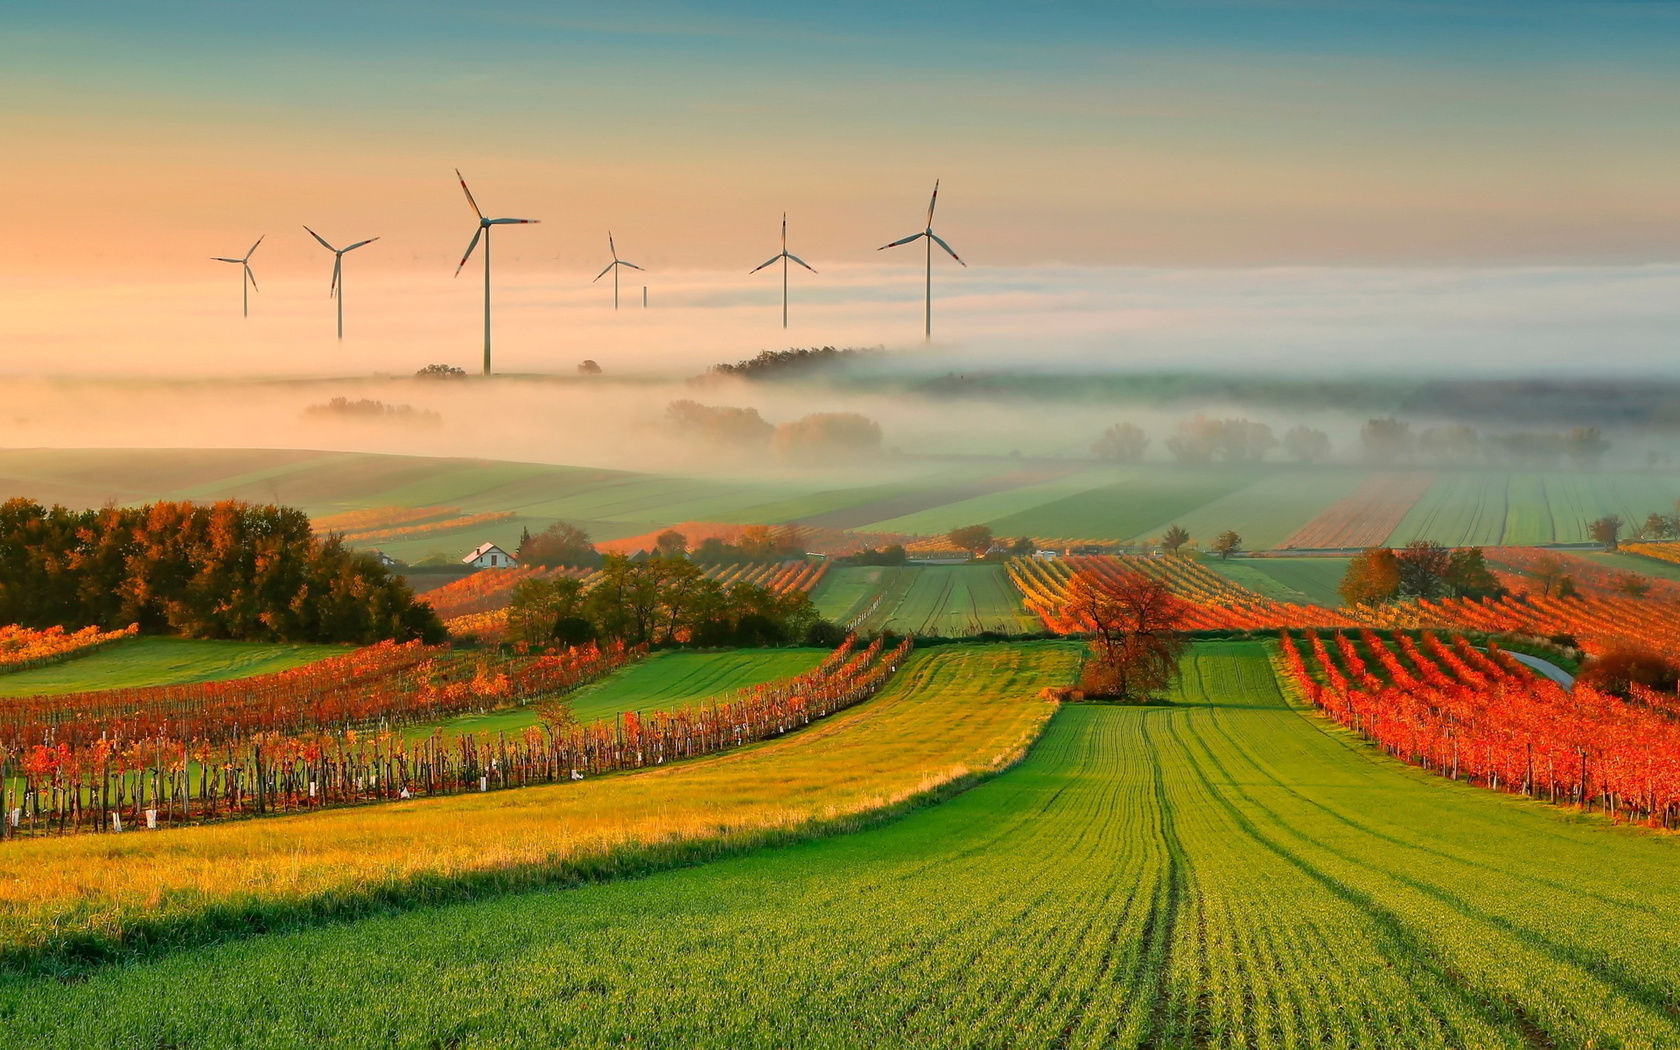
385, 559
490, 556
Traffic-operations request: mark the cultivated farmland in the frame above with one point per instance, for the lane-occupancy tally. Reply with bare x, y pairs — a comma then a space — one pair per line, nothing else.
951, 600
1228, 871
139, 662
950, 713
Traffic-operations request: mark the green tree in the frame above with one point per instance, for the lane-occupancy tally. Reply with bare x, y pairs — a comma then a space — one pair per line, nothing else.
1385, 440
1468, 575
1306, 444
1226, 544
561, 544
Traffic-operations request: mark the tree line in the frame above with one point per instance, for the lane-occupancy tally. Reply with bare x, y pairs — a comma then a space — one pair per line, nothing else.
662, 601
224, 570
1382, 442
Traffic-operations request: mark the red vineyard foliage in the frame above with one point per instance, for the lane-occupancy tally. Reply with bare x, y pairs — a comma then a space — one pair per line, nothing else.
1485, 718
160, 782
380, 685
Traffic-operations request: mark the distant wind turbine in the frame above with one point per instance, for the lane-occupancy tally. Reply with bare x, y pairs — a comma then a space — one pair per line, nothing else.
483, 231
613, 266
784, 256
337, 290
247, 280
932, 239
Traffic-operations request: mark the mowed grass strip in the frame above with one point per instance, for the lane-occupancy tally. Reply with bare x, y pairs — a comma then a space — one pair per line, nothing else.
1224, 872
951, 714
141, 662
663, 681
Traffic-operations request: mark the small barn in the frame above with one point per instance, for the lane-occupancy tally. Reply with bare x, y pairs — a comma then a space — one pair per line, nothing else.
385, 559
490, 556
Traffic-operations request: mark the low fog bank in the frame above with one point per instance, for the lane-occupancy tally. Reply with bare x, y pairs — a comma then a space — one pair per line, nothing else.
1468, 321
732, 427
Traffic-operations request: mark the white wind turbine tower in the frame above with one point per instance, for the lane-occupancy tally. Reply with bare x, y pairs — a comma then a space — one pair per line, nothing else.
483, 231
247, 279
784, 256
932, 239
612, 268
337, 290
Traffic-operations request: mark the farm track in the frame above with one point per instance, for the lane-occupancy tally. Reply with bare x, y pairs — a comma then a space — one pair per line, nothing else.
1225, 872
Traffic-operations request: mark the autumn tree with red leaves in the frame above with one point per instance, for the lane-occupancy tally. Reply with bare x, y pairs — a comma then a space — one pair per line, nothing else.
1135, 626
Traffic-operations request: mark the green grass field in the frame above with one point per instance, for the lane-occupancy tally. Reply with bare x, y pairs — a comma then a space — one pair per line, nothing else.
924, 599
1311, 581
1224, 872
1628, 562
162, 661
1127, 509
663, 681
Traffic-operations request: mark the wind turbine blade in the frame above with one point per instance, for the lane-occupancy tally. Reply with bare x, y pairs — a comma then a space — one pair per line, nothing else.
608, 270
470, 246
611, 247
338, 264
253, 250
506, 222
358, 244
932, 201
322, 239
763, 264
803, 263
902, 240
632, 265
469, 194
937, 240
221, 258
251, 276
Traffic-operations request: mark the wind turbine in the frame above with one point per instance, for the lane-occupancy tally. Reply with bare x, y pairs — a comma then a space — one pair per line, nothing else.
483, 231
613, 266
337, 290
247, 280
932, 239
784, 256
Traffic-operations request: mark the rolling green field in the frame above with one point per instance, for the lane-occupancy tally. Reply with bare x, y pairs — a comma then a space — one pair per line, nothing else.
1310, 581
663, 681
1075, 500
1626, 562
162, 661
1127, 509
924, 599
1222, 872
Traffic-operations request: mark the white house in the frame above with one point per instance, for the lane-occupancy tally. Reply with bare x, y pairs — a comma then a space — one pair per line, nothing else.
489, 556
385, 559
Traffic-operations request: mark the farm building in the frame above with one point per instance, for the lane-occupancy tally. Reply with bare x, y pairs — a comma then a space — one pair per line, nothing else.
490, 556
385, 559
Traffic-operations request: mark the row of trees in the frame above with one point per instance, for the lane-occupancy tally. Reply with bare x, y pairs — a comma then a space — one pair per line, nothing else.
661, 601
817, 437
566, 545
224, 570
1421, 569
1382, 442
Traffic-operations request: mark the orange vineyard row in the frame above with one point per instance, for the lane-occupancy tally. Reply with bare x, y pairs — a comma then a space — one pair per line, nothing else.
24, 647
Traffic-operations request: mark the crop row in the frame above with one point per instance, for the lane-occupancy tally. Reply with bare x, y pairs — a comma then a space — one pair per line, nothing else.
1364, 519
1212, 602
1483, 717
377, 686
371, 518
1587, 575
153, 784
23, 647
